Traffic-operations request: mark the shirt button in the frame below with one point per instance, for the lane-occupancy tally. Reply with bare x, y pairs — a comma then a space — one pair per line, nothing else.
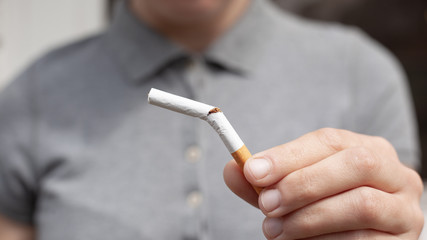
193, 154
194, 199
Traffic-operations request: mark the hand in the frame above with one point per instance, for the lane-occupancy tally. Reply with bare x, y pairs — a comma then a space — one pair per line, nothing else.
332, 184
11, 230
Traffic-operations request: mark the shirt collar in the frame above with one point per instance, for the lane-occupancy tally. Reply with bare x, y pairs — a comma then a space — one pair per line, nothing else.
139, 50
236, 50
239, 48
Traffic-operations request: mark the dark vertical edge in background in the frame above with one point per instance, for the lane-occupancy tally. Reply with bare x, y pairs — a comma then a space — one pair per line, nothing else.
399, 25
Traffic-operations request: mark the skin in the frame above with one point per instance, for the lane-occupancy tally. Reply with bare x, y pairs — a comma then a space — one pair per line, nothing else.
10, 230
332, 184
329, 184
194, 24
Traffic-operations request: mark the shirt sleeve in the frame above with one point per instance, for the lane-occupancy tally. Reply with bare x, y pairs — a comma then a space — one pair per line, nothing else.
383, 102
17, 177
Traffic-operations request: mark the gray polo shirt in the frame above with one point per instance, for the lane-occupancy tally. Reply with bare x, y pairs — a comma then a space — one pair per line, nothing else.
83, 156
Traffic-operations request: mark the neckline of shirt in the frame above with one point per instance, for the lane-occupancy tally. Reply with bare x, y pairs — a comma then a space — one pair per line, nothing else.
236, 50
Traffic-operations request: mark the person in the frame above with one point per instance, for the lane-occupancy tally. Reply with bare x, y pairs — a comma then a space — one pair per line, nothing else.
83, 156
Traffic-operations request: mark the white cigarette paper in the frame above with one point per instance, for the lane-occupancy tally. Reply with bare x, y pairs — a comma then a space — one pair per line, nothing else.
210, 114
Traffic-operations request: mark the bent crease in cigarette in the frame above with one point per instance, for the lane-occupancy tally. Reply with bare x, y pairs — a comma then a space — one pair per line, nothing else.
213, 115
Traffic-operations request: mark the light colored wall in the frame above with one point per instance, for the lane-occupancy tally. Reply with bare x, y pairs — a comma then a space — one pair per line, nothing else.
28, 28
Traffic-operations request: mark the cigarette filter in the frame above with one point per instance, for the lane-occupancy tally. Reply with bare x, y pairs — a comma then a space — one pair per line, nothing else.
213, 115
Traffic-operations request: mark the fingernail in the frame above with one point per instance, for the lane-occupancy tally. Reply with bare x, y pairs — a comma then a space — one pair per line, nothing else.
259, 168
273, 227
270, 199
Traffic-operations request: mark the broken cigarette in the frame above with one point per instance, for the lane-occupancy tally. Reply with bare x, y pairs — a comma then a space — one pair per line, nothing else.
210, 114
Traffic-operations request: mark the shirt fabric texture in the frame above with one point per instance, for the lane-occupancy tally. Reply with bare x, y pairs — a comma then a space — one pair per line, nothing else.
83, 156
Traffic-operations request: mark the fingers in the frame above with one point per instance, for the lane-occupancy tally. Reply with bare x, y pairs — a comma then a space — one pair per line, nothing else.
357, 209
356, 235
348, 169
236, 181
332, 184
10, 229
268, 167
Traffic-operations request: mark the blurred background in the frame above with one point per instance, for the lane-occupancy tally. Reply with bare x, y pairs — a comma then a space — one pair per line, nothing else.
29, 28
400, 25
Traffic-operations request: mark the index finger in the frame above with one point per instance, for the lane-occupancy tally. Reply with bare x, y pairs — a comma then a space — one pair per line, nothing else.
268, 167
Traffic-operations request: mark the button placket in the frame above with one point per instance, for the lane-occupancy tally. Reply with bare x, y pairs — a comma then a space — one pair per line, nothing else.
193, 153
192, 196
194, 199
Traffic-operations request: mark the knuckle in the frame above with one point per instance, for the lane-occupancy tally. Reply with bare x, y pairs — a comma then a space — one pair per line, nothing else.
418, 214
364, 160
368, 205
416, 181
412, 217
415, 221
330, 137
386, 146
381, 141
419, 221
